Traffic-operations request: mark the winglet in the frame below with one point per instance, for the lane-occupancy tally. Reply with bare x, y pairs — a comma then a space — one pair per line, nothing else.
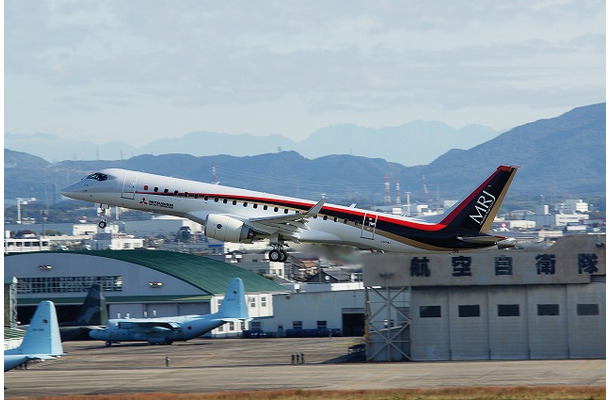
315, 209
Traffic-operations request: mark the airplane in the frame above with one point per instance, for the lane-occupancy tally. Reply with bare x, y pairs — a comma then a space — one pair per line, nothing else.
166, 330
243, 216
92, 315
41, 340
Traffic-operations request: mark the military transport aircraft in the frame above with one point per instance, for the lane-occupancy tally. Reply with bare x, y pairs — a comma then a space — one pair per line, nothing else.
166, 330
41, 340
242, 216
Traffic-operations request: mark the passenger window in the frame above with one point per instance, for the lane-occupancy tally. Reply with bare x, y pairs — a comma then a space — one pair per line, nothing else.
165, 191
175, 193
156, 189
216, 199
186, 194
285, 211
275, 209
234, 202
254, 205
265, 207
225, 201
245, 204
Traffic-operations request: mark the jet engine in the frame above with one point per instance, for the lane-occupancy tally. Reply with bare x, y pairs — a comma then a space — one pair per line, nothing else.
227, 229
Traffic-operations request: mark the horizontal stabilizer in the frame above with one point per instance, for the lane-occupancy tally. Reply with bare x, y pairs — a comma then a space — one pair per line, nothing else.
482, 239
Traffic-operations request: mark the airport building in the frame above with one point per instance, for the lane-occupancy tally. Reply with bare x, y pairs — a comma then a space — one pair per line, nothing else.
136, 284
537, 303
492, 305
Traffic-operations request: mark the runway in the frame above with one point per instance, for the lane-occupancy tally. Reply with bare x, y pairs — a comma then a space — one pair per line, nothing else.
211, 365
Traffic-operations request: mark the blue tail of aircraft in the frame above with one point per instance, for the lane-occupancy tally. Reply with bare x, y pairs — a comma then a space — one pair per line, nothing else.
42, 336
234, 303
41, 340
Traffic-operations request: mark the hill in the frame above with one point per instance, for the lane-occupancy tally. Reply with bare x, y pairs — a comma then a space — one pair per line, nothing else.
562, 157
388, 143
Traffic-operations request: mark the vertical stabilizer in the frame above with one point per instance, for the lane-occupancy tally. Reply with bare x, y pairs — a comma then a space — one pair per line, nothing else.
42, 336
93, 311
234, 303
477, 212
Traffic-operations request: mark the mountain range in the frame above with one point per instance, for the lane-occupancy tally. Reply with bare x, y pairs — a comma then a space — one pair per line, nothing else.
561, 157
402, 144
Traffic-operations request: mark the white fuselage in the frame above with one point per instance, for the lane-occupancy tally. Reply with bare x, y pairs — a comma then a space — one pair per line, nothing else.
238, 215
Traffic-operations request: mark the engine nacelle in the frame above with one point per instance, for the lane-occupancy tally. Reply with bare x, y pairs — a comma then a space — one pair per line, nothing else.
227, 229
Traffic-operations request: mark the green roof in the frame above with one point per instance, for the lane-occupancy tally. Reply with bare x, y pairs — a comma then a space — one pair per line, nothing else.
13, 333
209, 275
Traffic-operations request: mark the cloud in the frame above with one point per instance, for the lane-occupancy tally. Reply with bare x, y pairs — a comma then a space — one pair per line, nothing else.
335, 56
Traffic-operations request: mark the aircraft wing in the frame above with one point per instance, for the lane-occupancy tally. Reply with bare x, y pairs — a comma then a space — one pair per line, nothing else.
287, 226
149, 326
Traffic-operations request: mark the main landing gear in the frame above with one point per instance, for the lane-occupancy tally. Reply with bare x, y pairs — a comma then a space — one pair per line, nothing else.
278, 254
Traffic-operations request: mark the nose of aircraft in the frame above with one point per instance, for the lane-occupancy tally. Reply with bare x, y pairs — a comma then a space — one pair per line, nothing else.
73, 191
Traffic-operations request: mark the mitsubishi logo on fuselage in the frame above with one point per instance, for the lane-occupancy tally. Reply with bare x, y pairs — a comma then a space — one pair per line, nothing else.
482, 207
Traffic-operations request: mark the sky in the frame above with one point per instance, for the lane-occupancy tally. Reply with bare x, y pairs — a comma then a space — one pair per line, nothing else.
141, 70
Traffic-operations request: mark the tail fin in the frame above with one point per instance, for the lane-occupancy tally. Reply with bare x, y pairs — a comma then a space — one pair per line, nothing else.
477, 212
93, 310
234, 303
42, 336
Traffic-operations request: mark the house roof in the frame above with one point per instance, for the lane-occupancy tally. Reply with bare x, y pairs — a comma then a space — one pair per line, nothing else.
209, 275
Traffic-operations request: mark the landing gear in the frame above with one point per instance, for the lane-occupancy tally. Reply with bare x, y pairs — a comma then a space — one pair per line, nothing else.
101, 212
278, 255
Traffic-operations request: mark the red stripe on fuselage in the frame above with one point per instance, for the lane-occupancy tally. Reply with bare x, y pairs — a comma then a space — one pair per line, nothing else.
304, 207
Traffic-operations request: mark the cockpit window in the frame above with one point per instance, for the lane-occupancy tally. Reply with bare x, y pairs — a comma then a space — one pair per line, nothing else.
98, 176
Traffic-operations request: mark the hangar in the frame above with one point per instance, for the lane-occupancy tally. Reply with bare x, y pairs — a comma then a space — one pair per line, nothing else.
136, 283
541, 303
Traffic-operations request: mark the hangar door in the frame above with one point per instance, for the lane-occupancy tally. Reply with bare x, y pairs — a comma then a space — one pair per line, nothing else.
352, 321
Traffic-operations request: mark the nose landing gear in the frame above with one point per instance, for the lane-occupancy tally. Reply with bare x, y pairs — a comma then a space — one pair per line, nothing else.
101, 212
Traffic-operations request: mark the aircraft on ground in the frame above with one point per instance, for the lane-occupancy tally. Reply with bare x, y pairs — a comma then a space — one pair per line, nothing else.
166, 330
41, 340
243, 216
91, 315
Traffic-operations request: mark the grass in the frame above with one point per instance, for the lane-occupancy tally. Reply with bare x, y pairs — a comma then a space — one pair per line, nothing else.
476, 393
